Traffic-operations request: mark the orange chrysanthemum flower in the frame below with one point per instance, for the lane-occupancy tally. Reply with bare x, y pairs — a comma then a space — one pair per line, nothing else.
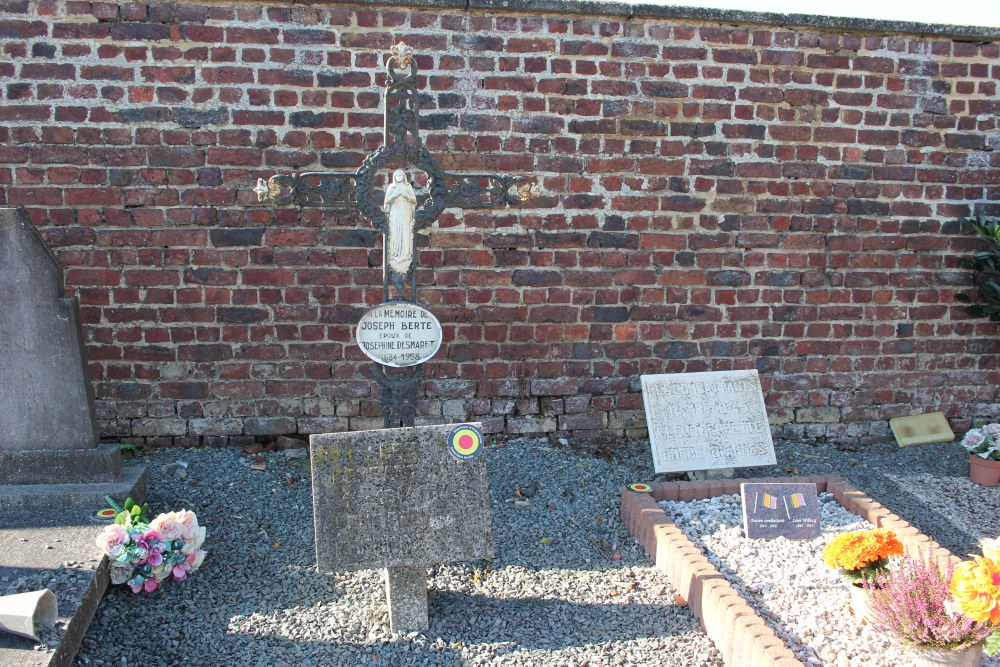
975, 587
859, 549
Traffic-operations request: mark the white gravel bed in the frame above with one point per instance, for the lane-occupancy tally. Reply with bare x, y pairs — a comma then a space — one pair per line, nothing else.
786, 581
926, 485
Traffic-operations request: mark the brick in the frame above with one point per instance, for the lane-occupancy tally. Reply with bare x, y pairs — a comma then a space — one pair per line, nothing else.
703, 193
269, 425
531, 424
536, 278
316, 119
667, 89
227, 75
221, 238
176, 157
283, 77
159, 427
32, 112
48, 71
16, 29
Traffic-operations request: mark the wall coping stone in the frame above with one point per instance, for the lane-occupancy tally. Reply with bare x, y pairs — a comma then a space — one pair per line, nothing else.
649, 10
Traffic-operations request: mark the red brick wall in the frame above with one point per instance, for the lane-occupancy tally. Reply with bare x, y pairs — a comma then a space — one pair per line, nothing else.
714, 197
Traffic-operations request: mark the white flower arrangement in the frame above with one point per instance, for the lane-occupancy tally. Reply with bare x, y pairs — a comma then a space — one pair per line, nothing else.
983, 442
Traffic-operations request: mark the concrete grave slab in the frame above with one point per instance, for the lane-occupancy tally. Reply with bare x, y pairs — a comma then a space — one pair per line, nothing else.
399, 499
921, 429
701, 421
48, 543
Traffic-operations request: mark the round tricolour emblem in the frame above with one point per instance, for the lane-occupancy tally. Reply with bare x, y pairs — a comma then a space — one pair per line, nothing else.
639, 487
399, 334
465, 442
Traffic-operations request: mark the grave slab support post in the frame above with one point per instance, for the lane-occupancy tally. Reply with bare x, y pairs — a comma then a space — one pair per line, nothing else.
406, 593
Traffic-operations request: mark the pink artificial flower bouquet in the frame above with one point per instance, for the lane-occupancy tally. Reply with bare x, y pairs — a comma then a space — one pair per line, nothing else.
144, 553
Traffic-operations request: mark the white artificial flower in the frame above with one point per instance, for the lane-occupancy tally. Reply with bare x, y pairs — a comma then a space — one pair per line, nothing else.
120, 572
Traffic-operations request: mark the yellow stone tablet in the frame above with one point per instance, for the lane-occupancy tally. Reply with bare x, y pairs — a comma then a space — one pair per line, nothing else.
921, 429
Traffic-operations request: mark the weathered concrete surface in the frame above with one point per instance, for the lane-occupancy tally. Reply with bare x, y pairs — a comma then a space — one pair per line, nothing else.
55, 497
692, 12
406, 593
49, 452
46, 400
40, 544
66, 466
397, 497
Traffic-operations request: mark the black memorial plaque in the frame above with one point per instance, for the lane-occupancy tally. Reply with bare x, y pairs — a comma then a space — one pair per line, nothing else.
780, 510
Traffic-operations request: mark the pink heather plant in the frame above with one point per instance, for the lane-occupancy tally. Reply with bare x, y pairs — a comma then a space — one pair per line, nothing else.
913, 604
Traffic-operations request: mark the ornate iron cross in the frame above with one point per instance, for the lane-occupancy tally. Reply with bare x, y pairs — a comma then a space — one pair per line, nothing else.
401, 147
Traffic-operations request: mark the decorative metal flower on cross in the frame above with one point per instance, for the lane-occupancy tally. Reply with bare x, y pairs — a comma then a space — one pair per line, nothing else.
399, 212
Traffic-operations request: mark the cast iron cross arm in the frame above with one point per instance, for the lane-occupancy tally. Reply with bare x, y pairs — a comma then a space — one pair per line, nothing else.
330, 189
401, 145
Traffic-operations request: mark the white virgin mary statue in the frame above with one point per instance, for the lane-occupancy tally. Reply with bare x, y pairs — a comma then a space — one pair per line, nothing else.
400, 205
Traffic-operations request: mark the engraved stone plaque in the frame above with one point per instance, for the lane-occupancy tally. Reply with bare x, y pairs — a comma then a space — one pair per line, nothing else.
399, 334
701, 421
397, 497
921, 429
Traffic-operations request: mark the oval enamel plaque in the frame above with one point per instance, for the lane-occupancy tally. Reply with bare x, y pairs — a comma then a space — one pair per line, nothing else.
399, 334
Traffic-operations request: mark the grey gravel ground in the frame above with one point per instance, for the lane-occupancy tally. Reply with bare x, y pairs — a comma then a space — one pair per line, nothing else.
66, 583
568, 585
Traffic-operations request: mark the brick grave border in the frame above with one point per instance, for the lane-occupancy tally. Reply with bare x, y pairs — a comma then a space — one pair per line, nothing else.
740, 634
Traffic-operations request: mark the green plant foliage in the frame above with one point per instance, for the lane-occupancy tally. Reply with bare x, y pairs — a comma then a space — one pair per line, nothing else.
128, 450
987, 265
129, 512
993, 643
